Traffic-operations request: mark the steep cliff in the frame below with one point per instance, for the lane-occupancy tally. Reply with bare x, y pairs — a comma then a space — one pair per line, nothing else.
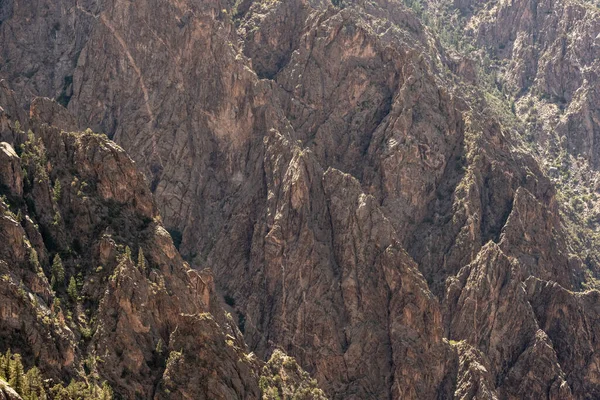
77, 301
400, 195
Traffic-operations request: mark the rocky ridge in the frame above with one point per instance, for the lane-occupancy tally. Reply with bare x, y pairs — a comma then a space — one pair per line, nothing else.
358, 180
78, 302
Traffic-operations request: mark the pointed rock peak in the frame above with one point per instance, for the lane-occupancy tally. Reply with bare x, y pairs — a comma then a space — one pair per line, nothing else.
490, 253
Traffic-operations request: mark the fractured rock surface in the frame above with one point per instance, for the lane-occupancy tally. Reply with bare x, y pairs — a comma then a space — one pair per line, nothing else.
400, 195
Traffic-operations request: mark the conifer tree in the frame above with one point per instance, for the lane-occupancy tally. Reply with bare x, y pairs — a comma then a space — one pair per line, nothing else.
6, 365
57, 190
17, 374
2, 376
107, 393
34, 259
141, 260
34, 384
58, 271
72, 289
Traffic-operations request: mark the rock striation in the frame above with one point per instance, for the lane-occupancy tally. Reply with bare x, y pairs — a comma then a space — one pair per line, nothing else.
401, 195
74, 297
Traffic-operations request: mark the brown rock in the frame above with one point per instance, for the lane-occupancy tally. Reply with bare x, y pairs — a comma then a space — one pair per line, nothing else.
474, 379
488, 307
298, 148
49, 112
569, 319
11, 176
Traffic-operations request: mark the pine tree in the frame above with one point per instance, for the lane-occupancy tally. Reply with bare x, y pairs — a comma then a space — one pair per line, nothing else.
141, 261
127, 253
2, 367
56, 305
6, 365
34, 383
17, 374
159, 347
72, 289
58, 271
33, 259
57, 190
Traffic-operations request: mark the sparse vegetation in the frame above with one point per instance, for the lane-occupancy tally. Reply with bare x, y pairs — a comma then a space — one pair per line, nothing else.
31, 385
282, 378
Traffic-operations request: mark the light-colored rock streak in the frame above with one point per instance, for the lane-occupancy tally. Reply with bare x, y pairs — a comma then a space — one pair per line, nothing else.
137, 70
86, 12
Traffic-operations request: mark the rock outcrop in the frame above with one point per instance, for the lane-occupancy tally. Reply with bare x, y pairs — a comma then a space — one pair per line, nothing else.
8, 393
487, 303
72, 297
570, 322
400, 195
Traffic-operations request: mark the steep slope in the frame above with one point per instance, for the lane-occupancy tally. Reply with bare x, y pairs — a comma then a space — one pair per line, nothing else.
74, 300
361, 186
544, 55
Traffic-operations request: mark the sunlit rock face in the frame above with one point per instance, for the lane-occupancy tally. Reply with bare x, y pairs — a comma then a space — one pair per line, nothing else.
399, 195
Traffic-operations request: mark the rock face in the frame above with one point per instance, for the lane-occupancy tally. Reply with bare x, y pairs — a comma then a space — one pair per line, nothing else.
73, 205
11, 176
400, 195
7, 393
484, 301
553, 307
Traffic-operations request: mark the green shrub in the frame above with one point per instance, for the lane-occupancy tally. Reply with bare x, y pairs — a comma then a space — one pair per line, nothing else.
141, 260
